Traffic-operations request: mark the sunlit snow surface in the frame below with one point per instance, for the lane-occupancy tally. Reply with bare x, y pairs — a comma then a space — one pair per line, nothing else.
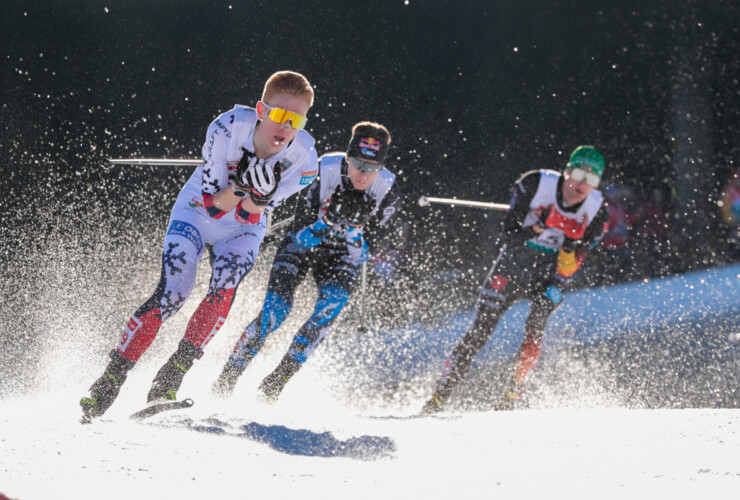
309, 449
345, 428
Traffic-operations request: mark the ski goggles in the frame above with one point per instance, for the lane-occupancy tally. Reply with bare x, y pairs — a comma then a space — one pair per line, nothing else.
578, 174
364, 166
283, 116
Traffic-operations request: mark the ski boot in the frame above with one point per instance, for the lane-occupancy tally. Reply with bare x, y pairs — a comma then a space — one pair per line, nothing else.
440, 396
513, 398
273, 384
224, 385
104, 391
434, 405
169, 377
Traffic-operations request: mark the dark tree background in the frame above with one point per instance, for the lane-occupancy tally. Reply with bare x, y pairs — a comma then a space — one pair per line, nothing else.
475, 93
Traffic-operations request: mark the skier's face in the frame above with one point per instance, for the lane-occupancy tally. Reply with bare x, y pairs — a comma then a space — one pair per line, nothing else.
575, 191
271, 137
361, 180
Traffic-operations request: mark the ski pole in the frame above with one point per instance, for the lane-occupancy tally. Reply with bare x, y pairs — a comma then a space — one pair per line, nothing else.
363, 282
280, 225
271, 228
425, 201
154, 162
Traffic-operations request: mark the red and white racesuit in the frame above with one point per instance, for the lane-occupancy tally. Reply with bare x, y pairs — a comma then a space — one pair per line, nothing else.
233, 237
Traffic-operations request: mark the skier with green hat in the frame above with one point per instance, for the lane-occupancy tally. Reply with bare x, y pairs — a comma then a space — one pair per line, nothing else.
553, 222
586, 157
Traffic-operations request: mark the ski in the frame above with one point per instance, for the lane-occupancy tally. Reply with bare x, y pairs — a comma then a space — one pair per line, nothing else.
156, 408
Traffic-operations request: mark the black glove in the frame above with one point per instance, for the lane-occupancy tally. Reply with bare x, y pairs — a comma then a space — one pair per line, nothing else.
257, 179
343, 204
335, 208
265, 182
242, 179
570, 245
361, 210
541, 222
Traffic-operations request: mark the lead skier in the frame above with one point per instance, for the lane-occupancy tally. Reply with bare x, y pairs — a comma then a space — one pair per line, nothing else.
253, 159
352, 202
554, 221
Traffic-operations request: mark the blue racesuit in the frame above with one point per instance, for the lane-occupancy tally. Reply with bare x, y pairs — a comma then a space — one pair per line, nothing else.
333, 255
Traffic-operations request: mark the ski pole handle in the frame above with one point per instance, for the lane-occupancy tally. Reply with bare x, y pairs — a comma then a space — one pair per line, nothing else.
425, 201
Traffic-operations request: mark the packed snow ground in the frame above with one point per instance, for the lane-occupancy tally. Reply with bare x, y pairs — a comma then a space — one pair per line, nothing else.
296, 448
333, 437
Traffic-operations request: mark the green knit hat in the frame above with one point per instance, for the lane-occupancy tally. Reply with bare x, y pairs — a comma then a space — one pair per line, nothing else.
587, 157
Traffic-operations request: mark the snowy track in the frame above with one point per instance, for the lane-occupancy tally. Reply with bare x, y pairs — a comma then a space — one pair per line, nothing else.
284, 450
343, 427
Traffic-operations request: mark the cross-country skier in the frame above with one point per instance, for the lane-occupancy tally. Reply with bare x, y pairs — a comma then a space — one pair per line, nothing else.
253, 159
553, 222
352, 202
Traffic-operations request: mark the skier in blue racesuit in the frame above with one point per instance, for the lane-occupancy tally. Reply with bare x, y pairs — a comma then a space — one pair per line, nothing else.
352, 201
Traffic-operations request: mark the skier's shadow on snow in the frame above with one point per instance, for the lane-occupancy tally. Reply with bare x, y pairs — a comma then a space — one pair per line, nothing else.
300, 441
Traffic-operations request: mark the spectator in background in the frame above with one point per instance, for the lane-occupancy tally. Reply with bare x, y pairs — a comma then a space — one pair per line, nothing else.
616, 245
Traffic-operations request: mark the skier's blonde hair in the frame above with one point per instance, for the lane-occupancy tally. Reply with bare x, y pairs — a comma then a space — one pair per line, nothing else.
288, 82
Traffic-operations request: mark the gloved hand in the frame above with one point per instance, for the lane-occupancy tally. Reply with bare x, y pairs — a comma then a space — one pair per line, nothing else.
541, 222
362, 208
570, 245
264, 182
241, 179
345, 204
257, 179
310, 236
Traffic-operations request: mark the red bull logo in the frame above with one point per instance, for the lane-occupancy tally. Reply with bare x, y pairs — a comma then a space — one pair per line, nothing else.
369, 142
369, 147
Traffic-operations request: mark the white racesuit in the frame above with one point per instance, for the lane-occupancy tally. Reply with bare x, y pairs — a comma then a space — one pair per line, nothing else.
233, 237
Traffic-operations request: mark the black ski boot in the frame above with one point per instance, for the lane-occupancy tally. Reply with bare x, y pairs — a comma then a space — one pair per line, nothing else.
513, 398
105, 390
224, 385
169, 377
441, 394
434, 405
273, 384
